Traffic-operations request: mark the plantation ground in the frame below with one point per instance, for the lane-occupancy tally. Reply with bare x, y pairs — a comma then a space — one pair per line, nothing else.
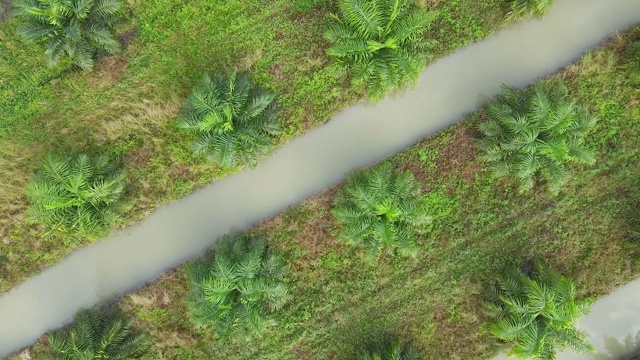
126, 105
340, 304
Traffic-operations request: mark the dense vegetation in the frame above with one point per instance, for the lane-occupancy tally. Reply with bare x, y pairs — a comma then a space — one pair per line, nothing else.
127, 105
382, 209
534, 132
98, 335
537, 311
435, 299
234, 119
339, 303
236, 288
380, 44
74, 29
77, 196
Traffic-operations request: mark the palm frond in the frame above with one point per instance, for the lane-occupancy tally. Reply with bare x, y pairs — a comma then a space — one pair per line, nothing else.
532, 132
237, 287
102, 8
76, 29
98, 335
363, 15
528, 8
379, 43
234, 119
382, 208
536, 313
72, 198
411, 27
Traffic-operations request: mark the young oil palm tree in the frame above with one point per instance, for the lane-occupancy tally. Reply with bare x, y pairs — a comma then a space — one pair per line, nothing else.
380, 43
77, 196
536, 313
234, 120
527, 8
390, 351
77, 29
532, 133
237, 287
382, 208
98, 335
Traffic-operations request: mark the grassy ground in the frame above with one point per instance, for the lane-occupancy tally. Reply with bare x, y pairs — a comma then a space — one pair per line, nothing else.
127, 104
340, 304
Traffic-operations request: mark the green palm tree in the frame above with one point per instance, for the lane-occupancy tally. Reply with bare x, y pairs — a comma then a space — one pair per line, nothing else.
533, 132
98, 336
234, 119
390, 351
537, 313
528, 8
77, 196
77, 29
382, 208
236, 288
380, 43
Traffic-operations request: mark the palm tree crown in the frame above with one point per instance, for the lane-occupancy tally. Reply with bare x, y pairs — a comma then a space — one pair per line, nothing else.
77, 29
77, 196
534, 132
98, 336
380, 43
537, 313
237, 287
528, 8
382, 208
233, 118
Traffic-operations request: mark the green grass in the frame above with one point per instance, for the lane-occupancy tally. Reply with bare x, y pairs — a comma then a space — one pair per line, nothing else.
340, 303
127, 105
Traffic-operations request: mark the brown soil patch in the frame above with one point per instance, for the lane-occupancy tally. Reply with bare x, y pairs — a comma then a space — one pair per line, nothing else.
276, 71
108, 72
139, 157
415, 168
301, 352
179, 171
460, 322
313, 238
164, 297
459, 156
428, 4
246, 64
314, 235
127, 36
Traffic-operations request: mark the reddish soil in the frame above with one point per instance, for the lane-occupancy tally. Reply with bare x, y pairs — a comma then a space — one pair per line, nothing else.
459, 156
